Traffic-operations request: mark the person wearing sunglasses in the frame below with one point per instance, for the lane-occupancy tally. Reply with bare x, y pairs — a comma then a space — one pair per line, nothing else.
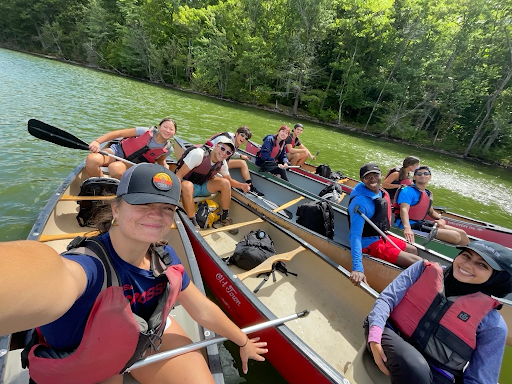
370, 199
238, 160
296, 151
414, 203
198, 168
272, 155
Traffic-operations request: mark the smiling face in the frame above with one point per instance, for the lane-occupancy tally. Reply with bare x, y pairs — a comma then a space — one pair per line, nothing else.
147, 223
372, 181
298, 131
470, 268
282, 134
240, 138
167, 130
221, 152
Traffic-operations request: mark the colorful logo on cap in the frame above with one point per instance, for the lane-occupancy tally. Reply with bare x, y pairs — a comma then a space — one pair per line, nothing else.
162, 181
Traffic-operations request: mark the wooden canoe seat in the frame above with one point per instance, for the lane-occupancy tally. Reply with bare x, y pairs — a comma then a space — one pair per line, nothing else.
364, 370
199, 199
230, 227
266, 266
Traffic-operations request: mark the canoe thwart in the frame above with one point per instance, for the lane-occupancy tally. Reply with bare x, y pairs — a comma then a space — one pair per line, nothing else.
64, 236
343, 181
266, 266
230, 227
288, 204
86, 198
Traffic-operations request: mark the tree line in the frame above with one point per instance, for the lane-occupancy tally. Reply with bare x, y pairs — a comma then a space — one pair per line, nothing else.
436, 73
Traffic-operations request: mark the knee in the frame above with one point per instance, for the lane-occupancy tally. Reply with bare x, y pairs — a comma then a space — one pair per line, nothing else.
187, 189
94, 160
412, 366
224, 185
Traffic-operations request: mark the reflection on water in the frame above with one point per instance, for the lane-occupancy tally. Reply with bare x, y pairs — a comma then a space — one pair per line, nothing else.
89, 103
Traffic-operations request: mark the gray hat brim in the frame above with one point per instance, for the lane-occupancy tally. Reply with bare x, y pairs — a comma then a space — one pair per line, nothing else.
149, 198
489, 260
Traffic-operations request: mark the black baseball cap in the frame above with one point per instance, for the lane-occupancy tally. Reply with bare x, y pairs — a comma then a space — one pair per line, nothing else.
149, 183
369, 168
298, 125
496, 255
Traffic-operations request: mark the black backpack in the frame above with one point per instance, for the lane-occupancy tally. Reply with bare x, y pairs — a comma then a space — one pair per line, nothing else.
254, 249
337, 175
332, 193
94, 186
317, 216
323, 170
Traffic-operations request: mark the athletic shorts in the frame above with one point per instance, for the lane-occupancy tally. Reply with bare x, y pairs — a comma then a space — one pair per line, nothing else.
201, 190
384, 250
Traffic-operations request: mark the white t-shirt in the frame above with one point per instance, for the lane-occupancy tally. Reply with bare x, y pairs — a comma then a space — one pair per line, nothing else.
195, 158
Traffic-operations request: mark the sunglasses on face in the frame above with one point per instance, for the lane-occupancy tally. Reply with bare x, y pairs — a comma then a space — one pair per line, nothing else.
224, 149
372, 176
243, 135
426, 173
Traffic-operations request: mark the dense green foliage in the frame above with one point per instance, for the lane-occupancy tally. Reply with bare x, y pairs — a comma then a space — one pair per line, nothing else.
432, 72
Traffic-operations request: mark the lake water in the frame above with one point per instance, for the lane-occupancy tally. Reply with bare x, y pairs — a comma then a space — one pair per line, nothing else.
88, 103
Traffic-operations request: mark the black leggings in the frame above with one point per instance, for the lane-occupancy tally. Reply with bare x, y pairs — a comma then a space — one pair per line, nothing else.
274, 169
406, 364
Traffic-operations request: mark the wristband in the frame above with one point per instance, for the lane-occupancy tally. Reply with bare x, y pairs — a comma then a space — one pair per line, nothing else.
246, 341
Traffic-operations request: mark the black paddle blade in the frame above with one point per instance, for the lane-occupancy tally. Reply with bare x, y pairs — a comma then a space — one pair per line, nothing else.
55, 135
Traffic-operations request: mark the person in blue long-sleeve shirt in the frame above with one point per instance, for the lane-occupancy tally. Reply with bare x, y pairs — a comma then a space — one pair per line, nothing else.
464, 337
272, 155
373, 202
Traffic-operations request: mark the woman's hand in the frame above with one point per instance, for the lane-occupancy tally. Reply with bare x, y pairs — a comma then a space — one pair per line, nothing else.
379, 356
94, 146
441, 223
245, 157
409, 235
252, 350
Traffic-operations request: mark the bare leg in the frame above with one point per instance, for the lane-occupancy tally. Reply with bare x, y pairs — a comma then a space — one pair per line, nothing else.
187, 195
452, 235
302, 159
219, 184
293, 158
405, 259
190, 368
94, 161
116, 169
117, 379
244, 169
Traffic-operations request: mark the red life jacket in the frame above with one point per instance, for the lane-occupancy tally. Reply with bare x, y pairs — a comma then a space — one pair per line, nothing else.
114, 337
276, 149
204, 171
381, 218
294, 141
137, 149
442, 329
418, 211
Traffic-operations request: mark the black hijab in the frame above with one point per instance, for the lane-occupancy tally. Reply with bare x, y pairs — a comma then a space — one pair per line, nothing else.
498, 285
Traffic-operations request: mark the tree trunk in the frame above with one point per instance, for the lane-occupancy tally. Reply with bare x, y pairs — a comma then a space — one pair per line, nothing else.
329, 83
297, 95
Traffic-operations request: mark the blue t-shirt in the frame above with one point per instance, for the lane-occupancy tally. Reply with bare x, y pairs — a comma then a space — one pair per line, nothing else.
411, 196
140, 287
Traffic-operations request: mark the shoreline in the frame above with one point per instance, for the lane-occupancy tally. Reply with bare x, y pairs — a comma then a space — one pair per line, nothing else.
278, 111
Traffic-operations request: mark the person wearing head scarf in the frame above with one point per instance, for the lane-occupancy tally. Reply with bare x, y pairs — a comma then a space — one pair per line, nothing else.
435, 325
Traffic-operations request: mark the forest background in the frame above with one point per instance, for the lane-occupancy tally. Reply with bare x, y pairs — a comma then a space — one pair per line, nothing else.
434, 73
